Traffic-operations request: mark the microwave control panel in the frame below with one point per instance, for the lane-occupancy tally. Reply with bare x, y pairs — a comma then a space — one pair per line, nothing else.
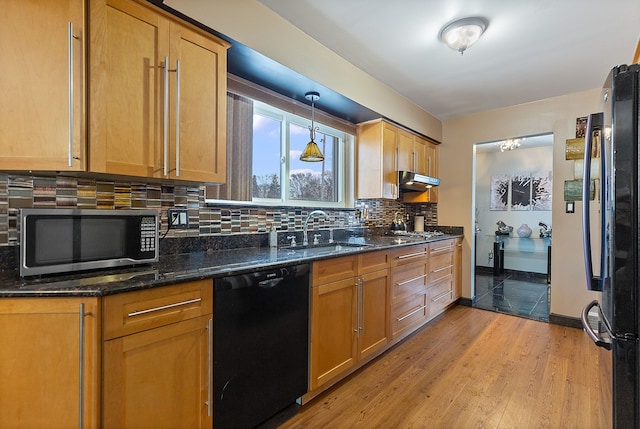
148, 234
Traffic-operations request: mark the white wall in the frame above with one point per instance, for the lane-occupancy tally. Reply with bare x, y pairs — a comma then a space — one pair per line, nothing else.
258, 27
521, 254
455, 205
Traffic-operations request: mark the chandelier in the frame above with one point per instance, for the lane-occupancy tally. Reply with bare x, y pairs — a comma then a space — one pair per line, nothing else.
510, 144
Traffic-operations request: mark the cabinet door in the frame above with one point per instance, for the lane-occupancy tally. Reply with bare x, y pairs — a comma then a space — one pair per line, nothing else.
457, 269
198, 106
420, 148
372, 314
159, 378
41, 369
42, 109
128, 46
406, 156
432, 169
333, 330
389, 162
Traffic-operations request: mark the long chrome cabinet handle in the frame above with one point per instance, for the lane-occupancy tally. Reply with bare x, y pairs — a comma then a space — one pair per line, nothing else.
164, 307
178, 118
411, 255
81, 374
411, 280
165, 134
400, 319
442, 269
71, 36
442, 295
357, 327
439, 249
361, 324
210, 366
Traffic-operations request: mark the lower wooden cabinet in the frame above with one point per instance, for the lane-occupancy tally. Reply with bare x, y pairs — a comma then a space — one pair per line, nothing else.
157, 357
349, 315
158, 378
49, 363
409, 275
441, 275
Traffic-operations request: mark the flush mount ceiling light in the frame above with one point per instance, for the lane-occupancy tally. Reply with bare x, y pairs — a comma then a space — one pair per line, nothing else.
510, 144
460, 34
311, 152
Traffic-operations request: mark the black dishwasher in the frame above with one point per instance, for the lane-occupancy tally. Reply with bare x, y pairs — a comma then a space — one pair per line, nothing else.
261, 344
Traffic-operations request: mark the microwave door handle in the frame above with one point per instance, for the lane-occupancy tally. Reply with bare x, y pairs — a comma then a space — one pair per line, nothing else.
594, 121
598, 340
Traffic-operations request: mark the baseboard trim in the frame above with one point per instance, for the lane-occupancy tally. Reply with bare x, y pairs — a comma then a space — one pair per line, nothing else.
465, 301
571, 322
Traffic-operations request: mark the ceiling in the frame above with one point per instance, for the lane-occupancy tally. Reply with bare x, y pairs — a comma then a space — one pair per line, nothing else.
531, 50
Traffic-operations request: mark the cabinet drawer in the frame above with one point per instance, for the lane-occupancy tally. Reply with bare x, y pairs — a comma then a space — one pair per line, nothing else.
373, 261
334, 269
409, 254
438, 301
410, 312
440, 266
444, 284
439, 247
408, 280
131, 312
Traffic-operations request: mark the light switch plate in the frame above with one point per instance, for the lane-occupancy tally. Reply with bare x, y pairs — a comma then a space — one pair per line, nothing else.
178, 218
570, 207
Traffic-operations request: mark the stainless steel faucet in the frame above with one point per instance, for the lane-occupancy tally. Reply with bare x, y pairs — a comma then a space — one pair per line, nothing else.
305, 239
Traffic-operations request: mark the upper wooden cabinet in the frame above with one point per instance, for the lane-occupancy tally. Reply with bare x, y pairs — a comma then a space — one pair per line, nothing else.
383, 150
43, 85
376, 171
428, 167
157, 95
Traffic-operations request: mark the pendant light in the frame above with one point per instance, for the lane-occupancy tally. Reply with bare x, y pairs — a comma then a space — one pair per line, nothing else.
311, 152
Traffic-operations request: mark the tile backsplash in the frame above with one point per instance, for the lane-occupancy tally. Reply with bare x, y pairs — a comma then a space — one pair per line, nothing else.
26, 191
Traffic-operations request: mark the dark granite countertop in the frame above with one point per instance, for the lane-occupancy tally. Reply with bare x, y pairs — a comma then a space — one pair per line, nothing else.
190, 266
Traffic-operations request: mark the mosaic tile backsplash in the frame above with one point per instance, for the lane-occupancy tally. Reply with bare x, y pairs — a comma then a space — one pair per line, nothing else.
24, 191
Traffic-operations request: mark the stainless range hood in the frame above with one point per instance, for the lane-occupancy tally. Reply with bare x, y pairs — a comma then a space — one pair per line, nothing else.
410, 181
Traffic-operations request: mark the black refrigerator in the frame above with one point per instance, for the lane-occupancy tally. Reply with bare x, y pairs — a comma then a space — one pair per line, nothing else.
612, 322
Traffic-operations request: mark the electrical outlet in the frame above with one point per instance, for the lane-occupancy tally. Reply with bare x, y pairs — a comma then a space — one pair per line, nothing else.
178, 218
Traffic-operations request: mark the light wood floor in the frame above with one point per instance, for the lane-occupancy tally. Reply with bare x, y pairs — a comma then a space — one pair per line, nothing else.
470, 368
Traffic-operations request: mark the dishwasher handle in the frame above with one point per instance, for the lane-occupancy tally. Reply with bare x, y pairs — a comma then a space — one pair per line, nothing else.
270, 283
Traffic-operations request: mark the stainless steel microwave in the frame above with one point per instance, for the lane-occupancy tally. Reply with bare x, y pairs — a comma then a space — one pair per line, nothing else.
65, 240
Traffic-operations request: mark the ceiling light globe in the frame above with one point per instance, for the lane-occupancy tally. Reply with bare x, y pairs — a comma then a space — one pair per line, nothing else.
459, 35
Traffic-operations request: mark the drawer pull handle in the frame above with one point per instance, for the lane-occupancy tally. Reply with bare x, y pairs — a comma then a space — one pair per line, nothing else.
400, 319
440, 249
163, 307
442, 269
411, 255
411, 280
441, 296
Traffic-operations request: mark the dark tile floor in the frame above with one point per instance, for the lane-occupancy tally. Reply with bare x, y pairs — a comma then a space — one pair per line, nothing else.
513, 292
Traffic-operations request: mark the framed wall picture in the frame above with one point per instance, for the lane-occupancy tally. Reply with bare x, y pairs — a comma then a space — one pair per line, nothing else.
541, 191
499, 192
521, 192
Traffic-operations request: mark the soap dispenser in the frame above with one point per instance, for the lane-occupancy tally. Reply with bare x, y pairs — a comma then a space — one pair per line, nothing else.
273, 237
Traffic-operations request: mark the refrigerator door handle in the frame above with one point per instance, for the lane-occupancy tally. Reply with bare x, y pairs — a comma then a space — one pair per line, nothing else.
599, 341
594, 121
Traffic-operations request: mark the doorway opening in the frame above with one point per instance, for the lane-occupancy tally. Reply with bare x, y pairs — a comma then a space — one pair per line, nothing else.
512, 246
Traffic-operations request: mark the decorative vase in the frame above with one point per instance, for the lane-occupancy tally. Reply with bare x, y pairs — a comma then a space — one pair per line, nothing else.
524, 231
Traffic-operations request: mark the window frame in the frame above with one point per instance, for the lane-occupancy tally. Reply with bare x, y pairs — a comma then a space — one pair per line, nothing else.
344, 161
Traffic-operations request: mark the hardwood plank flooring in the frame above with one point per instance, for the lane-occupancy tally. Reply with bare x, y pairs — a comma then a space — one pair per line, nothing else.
469, 368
